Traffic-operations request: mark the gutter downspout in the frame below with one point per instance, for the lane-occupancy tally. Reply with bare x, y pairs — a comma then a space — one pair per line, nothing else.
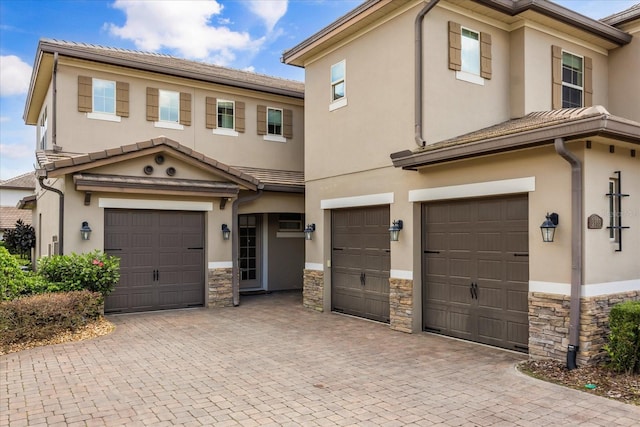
60, 213
576, 250
418, 71
235, 270
54, 115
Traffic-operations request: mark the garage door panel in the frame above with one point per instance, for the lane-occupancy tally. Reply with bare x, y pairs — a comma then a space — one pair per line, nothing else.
361, 262
157, 270
482, 236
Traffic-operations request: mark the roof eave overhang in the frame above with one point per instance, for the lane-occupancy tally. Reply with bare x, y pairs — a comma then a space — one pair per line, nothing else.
297, 54
280, 188
27, 202
604, 126
71, 51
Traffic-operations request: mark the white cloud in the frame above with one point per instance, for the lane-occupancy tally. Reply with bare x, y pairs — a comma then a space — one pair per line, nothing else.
14, 76
181, 26
270, 11
16, 151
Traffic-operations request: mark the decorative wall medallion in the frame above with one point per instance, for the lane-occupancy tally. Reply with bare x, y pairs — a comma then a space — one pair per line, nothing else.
594, 222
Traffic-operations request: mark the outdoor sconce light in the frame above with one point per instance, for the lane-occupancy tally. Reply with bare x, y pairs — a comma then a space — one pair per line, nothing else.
548, 227
394, 230
85, 231
308, 231
226, 233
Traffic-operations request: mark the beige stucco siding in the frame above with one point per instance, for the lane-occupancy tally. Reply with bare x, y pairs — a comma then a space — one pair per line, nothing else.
78, 133
624, 83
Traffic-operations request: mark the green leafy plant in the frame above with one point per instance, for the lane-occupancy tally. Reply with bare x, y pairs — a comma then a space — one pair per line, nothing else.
94, 271
624, 339
21, 239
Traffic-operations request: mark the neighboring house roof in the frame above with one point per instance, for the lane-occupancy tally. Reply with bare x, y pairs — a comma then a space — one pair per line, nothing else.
154, 62
54, 164
9, 215
26, 181
534, 129
372, 10
628, 15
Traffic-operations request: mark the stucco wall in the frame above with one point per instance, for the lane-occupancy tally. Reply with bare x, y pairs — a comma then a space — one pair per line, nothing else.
624, 84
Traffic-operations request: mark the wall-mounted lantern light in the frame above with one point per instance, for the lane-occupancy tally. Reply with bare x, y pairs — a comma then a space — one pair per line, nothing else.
226, 233
548, 227
308, 231
85, 231
394, 230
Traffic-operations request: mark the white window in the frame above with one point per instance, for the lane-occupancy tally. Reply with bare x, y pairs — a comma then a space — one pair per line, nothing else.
42, 130
274, 121
572, 80
614, 211
226, 114
470, 45
104, 96
169, 106
338, 85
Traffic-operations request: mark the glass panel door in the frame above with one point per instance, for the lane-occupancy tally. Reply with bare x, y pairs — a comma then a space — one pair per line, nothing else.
249, 256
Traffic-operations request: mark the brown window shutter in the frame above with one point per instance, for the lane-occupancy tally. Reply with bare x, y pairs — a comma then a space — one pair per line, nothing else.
185, 108
211, 112
556, 77
262, 120
485, 55
588, 82
455, 46
122, 99
239, 112
85, 93
287, 123
152, 104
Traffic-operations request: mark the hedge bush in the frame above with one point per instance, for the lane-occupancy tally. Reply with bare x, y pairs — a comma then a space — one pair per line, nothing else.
624, 339
94, 271
39, 317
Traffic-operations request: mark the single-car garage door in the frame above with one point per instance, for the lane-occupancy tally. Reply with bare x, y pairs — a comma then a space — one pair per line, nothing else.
476, 270
161, 259
360, 261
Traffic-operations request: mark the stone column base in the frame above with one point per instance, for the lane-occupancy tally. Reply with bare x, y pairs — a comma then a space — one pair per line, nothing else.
313, 290
400, 304
220, 287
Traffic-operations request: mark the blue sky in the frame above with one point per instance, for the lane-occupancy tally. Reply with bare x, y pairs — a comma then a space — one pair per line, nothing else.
244, 34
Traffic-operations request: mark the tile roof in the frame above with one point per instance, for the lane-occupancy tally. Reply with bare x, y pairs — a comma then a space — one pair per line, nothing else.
275, 178
9, 215
26, 181
623, 16
170, 65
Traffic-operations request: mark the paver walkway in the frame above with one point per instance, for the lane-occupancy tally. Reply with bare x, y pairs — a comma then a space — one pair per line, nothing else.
272, 362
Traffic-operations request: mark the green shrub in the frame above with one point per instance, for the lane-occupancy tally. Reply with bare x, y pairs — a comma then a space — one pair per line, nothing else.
15, 282
624, 339
39, 317
94, 271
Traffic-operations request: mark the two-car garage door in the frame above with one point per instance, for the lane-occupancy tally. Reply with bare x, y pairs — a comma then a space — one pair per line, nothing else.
476, 270
161, 259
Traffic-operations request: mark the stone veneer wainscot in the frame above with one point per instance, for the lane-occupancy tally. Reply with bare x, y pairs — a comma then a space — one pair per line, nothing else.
220, 287
313, 289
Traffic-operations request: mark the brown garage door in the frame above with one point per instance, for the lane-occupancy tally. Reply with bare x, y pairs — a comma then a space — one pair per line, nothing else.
161, 259
360, 260
476, 270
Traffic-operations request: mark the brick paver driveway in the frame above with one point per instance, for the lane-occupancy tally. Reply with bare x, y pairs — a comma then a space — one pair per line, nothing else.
271, 362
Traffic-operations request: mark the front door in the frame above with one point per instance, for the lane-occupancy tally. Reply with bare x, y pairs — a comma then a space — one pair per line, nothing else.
250, 253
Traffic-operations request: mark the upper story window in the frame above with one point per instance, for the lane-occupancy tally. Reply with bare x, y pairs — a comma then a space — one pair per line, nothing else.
572, 76
274, 121
224, 117
572, 81
338, 85
42, 130
168, 109
169, 104
104, 96
275, 124
103, 99
469, 54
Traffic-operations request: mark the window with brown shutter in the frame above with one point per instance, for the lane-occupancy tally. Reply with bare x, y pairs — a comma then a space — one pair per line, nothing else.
485, 56
185, 109
287, 119
588, 81
152, 104
455, 46
122, 99
85, 90
240, 117
572, 79
211, 112
556, 77
262, 119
